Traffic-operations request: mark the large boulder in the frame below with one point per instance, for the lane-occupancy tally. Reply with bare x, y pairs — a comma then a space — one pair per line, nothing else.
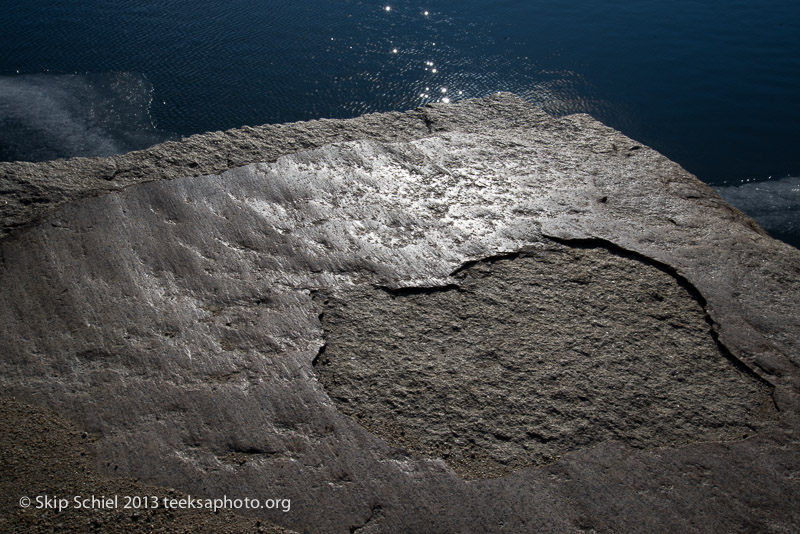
465, 318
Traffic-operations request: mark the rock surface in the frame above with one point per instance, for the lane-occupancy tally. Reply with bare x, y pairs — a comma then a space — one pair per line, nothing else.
534, 355
45, 455
180, 321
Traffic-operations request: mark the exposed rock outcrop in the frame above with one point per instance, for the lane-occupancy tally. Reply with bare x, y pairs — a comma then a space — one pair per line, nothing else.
200, 325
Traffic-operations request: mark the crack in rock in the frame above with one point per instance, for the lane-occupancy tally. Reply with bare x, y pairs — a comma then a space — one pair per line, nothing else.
533, 355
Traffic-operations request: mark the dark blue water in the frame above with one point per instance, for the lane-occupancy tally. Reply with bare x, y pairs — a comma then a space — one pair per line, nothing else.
713, 85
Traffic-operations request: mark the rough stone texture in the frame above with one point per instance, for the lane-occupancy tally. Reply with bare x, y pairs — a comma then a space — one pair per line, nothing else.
535, 355
179, 319
44, 455
30, 190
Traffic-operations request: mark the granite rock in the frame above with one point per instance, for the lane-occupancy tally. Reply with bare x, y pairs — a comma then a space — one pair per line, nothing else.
187, 304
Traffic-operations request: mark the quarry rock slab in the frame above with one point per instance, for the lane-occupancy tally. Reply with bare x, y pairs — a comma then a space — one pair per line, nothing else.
536, 325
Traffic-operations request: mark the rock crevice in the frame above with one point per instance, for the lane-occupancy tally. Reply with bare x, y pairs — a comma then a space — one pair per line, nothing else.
536, 354
173, 311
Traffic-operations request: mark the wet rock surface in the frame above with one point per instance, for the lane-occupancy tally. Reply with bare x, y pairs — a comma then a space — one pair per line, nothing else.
178, 321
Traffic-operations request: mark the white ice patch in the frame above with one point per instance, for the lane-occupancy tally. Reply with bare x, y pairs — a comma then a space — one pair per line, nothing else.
49, 116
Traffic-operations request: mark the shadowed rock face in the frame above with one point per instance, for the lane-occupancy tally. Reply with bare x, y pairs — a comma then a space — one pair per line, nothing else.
179, 321
46, 455
535, 355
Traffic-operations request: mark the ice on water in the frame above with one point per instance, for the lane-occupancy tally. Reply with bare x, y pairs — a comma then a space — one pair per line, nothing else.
48, 116
773, 203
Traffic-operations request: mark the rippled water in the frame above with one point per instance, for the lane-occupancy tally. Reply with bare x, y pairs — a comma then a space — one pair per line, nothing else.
46, 116
713, 85
773, 203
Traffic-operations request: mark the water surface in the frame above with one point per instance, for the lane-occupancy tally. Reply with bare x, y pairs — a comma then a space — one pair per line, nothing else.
712, 85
